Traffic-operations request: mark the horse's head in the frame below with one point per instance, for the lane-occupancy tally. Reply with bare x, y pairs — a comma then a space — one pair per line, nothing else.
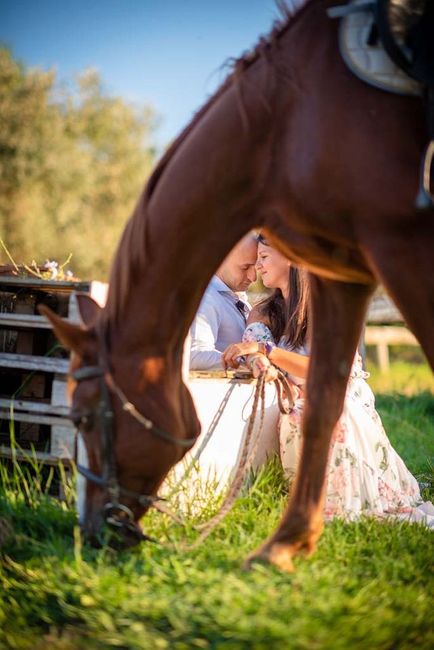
136, 418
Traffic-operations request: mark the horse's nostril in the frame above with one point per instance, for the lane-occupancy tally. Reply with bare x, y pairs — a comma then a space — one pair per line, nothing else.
118, 515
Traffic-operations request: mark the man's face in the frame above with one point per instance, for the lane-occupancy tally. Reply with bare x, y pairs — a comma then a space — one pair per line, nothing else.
238, 269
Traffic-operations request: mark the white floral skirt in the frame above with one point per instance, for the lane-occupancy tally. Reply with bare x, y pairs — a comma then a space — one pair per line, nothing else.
365, 475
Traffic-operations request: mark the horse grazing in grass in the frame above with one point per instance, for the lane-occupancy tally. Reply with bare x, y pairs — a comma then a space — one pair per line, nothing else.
327, 167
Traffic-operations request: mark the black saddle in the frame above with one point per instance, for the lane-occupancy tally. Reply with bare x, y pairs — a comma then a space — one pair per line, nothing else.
406, 29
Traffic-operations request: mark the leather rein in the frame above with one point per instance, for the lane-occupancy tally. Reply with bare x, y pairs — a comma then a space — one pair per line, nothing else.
118, 515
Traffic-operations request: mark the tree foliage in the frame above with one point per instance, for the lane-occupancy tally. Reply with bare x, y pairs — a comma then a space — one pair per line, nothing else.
73, 161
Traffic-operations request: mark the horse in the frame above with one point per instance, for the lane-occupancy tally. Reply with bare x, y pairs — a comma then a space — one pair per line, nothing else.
327, 167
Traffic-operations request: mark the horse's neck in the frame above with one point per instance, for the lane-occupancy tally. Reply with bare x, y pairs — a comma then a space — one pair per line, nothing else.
204, 201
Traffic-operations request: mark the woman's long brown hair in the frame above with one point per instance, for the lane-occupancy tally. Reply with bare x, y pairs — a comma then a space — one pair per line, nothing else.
288, 318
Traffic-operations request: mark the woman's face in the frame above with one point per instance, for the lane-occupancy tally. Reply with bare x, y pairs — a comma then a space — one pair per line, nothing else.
273, 267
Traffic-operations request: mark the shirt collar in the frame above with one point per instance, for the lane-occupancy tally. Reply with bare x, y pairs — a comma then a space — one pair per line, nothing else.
219, 285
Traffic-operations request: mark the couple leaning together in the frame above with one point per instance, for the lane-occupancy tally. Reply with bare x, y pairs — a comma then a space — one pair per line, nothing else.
365, 474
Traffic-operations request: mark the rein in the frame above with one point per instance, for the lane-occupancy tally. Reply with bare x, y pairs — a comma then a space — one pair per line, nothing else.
246, 454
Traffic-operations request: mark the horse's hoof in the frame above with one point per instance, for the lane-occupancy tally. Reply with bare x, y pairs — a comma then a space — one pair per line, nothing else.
278, 554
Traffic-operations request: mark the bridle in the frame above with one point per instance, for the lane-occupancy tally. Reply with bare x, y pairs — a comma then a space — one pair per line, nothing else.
116, 514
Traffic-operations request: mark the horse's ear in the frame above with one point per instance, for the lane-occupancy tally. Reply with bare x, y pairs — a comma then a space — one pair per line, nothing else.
88, 308
71, 336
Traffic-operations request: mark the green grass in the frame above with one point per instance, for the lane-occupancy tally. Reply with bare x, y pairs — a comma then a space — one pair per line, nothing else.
369, 585
405, 400
403, 378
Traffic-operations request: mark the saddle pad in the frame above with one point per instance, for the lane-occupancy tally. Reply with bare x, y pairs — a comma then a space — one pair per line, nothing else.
370, 62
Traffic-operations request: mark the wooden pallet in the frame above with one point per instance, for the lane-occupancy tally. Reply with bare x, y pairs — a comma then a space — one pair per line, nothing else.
33, 369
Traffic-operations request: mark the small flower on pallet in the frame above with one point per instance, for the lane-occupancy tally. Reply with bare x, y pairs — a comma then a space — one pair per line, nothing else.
52, 269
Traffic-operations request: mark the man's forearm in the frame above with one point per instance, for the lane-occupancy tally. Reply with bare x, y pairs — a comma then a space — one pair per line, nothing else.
206, 360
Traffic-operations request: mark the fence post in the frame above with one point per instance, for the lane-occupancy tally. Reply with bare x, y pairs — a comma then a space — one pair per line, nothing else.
383, 356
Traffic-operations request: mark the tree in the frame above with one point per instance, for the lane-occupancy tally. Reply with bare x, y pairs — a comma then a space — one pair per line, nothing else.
72, 164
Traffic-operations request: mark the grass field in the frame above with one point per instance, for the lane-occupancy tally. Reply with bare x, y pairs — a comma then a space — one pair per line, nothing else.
370, 585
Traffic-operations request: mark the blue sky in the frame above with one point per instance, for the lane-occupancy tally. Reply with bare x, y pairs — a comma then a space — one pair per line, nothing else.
167, 53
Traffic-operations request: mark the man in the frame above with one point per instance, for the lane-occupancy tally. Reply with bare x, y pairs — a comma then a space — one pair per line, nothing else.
221, 317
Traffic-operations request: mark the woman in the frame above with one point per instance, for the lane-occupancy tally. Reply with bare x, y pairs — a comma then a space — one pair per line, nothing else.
365, 474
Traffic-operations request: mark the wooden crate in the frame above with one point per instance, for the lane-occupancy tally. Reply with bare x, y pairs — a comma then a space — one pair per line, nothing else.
33, 368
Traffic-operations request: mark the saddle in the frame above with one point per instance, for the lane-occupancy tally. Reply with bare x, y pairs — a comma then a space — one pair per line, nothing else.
390, 44
406, 28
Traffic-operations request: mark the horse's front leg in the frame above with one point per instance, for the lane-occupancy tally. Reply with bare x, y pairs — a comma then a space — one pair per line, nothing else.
338, 311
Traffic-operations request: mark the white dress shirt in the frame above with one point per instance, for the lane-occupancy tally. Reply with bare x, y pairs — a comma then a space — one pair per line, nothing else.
217, 324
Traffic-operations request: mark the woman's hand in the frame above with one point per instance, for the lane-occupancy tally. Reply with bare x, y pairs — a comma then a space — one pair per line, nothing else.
259, 364
231, 356
256, 360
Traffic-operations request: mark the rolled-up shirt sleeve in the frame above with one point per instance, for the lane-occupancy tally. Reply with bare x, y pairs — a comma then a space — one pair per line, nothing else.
204, 332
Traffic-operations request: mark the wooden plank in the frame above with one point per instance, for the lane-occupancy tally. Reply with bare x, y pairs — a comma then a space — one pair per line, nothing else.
24, 307
390, 335
35, 418
29, 362
32, 386
24, 320
34, 407
29, 455
238, 376
73, 311
44, 285
62, 441
59, 395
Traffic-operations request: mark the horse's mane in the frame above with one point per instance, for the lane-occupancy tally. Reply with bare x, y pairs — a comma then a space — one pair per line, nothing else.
132, 253
238, 65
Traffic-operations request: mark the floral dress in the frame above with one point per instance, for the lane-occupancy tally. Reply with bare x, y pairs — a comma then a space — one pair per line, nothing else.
364, 472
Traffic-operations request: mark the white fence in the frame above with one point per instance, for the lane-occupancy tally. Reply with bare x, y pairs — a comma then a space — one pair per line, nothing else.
384, 328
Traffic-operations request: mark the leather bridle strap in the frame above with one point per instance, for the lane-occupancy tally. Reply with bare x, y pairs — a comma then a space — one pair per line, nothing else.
144, 421
117, 514
95, 372
102, 481
88, 372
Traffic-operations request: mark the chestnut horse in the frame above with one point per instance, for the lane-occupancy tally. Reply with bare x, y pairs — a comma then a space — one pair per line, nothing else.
327, 166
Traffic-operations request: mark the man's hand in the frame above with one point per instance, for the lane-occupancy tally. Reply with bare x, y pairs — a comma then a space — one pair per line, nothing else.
231, 356
256, 360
